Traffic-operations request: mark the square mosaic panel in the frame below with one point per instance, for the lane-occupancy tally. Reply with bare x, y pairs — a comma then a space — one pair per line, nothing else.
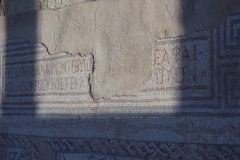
228, 38
228, 54
229, 88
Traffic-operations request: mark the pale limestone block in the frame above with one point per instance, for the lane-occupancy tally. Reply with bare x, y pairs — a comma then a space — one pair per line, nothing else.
123, 48
70, 29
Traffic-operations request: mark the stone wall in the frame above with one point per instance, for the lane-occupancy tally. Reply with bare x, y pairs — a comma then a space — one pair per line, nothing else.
119, 79
119, 34
12, 7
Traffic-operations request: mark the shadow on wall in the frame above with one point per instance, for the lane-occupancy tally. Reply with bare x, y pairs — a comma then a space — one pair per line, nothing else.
18, 80
195, 54
210, 61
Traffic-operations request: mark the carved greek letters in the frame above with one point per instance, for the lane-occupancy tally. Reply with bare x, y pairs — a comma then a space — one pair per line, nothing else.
47, 75
182, 66
174, 64
43, 74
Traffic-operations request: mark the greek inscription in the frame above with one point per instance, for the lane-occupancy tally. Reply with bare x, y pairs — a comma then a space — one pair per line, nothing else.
54, 84
68, 74
175, 65
181, 64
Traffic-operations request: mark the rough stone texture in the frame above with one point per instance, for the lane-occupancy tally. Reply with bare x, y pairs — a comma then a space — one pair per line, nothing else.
120, 79
70, 29
123, 47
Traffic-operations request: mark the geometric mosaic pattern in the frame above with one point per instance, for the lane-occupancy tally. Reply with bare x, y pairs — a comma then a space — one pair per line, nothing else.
229, 85
228, 69
18, 147
228, 38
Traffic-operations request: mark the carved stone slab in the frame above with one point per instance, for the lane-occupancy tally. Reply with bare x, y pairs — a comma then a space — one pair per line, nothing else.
31, 75
183, 68
190, 71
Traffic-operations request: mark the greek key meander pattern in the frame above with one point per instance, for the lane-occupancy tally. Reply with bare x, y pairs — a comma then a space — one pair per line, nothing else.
228, 69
